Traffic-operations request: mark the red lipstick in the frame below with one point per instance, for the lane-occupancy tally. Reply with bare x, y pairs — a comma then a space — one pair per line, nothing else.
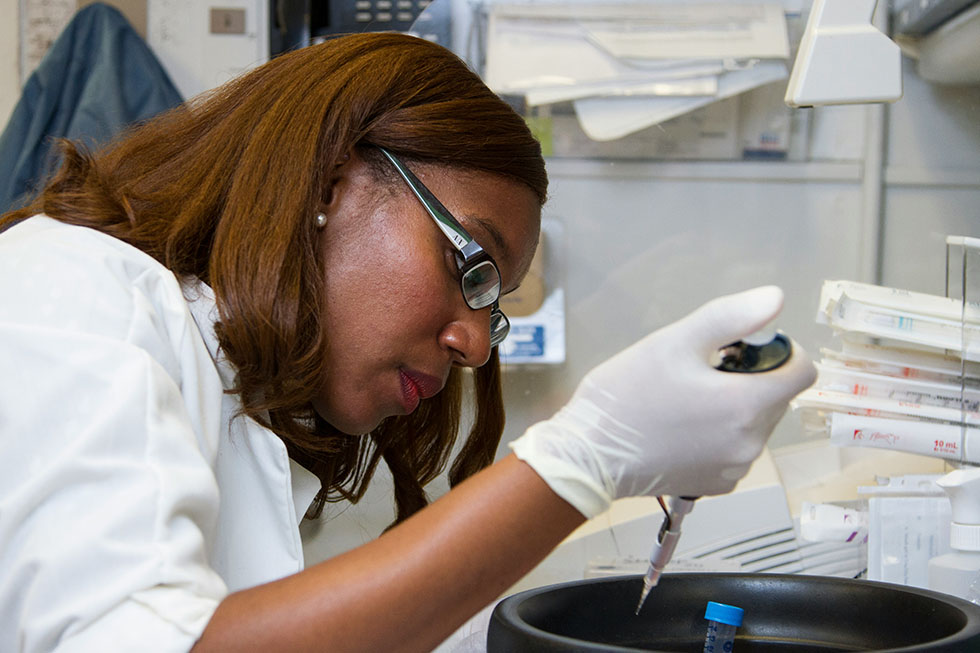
417, 386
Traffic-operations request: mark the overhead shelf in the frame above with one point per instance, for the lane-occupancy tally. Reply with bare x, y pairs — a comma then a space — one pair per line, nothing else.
766, 171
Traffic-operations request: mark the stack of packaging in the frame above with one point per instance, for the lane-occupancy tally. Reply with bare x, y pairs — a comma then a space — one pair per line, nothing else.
907, 376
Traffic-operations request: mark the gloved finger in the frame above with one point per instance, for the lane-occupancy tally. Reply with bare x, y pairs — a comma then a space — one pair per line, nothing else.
729, 318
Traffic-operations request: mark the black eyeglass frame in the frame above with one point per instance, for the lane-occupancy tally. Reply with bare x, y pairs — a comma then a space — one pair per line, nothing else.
471, 257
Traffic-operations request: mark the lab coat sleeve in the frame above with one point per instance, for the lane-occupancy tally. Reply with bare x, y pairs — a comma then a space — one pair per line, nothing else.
108, 501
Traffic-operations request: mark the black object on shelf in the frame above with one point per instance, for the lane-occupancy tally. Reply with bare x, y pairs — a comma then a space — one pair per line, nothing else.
299, 23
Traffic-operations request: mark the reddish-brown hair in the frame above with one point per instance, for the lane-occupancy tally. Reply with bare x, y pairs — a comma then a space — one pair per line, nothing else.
223, 189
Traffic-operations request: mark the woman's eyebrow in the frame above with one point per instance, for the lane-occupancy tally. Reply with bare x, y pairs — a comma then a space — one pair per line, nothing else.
500, 245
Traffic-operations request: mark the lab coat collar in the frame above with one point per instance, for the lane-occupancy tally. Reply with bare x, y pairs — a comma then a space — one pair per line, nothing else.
204, 308
306, 484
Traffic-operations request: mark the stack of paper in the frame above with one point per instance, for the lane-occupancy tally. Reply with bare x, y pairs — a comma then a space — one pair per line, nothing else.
633, 65
914, 389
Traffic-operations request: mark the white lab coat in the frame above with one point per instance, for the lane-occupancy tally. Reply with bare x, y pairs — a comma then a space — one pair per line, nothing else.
131, 502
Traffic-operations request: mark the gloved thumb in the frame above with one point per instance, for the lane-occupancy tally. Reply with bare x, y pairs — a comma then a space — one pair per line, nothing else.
727, 319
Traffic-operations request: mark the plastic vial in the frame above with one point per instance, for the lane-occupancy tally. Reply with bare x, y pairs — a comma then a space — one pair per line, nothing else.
722, 622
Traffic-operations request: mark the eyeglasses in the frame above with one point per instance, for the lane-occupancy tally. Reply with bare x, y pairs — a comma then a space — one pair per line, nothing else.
479, 277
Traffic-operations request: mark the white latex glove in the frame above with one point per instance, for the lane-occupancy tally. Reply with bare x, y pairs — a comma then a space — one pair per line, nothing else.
658, 419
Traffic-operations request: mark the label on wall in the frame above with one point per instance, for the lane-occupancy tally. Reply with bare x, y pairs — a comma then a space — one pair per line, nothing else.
539, 337
41, 21
537, 309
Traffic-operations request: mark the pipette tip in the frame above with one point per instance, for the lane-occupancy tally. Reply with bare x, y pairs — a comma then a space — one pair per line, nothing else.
643, 597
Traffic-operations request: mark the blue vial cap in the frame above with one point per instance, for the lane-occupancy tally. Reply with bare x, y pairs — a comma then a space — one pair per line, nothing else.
725, 614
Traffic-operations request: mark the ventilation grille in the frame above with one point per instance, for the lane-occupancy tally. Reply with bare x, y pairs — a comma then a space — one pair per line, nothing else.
778, 551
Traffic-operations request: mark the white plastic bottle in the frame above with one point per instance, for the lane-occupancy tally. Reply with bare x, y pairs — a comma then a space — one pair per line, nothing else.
954, 572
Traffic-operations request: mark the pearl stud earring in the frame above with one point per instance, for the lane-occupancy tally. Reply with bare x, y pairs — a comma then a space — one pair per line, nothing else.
321, 220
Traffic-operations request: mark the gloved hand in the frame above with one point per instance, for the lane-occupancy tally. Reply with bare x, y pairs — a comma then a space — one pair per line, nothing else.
659, 419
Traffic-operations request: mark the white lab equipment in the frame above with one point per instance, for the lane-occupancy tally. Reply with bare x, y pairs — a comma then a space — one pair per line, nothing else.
824, 522
843, 58
908, 525
954, 572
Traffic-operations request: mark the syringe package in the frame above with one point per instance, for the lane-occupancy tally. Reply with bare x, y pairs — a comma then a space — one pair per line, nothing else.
907, 377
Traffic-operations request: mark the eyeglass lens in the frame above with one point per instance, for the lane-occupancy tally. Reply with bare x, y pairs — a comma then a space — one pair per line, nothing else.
499, 327
481, 285
481, 288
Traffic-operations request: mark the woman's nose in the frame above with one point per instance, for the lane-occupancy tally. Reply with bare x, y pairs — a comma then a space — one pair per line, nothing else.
467, 336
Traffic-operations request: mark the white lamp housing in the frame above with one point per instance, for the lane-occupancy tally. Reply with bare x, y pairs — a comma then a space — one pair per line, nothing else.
843, 58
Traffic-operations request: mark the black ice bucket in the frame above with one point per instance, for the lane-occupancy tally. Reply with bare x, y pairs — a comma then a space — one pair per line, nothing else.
782, 613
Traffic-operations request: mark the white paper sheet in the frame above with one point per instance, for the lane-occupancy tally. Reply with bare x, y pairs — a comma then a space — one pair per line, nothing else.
549, 44
605, 119
695, 30
684, 87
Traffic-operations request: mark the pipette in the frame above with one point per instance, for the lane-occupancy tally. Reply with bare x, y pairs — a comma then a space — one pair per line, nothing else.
744, 356
663, 548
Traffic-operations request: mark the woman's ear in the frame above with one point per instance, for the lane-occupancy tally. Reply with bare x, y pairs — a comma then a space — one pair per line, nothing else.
337, 175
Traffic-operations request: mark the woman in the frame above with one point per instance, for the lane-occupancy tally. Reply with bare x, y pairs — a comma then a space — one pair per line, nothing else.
251, 301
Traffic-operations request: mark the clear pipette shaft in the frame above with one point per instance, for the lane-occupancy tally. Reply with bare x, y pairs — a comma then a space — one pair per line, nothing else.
663, 548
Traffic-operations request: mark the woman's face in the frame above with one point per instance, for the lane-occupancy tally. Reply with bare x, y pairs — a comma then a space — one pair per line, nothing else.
395, 320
